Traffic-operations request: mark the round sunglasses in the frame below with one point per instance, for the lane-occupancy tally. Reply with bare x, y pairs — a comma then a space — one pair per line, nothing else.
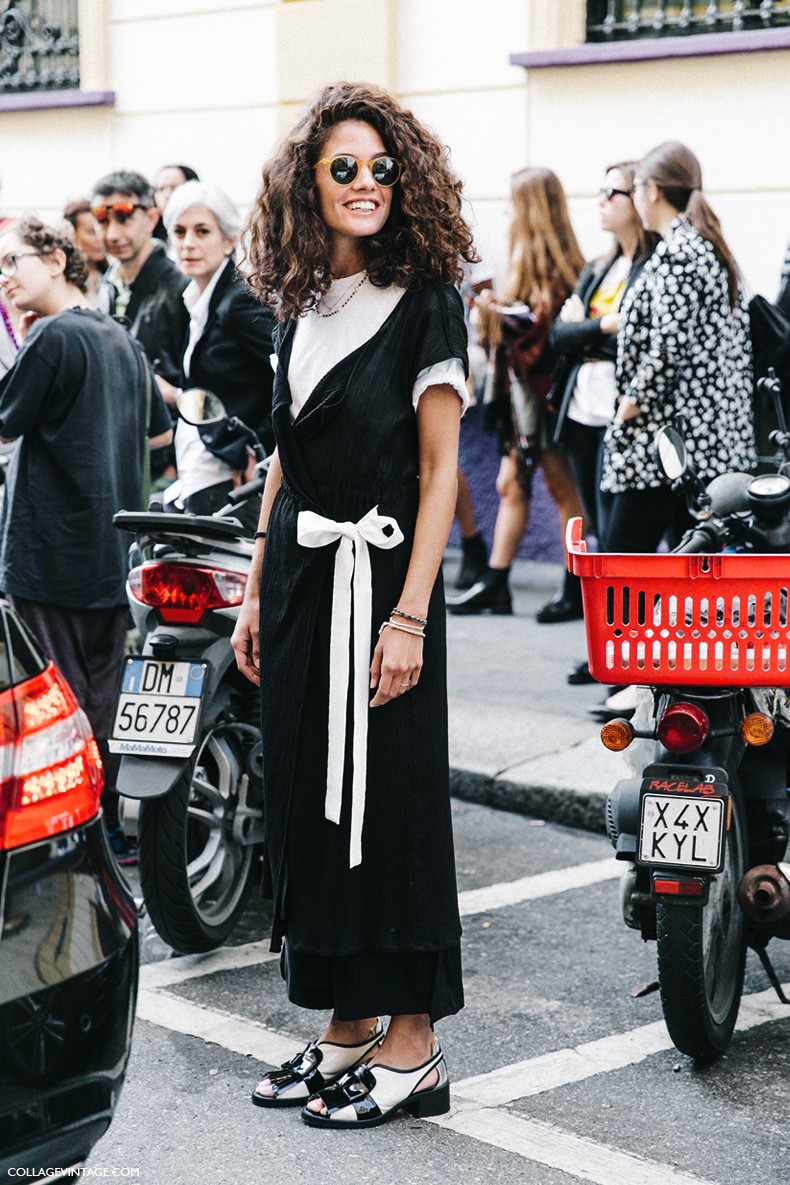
384, 170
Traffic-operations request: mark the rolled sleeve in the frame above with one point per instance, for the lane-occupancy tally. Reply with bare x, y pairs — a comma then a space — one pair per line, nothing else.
448, 373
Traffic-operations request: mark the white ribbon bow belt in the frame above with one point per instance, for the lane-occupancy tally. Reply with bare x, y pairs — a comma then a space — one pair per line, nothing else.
352, 571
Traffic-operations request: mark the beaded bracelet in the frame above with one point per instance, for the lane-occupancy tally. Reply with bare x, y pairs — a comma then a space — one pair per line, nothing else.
409, 617
406, 629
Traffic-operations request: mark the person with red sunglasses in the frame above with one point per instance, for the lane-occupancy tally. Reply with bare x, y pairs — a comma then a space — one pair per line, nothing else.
143, 287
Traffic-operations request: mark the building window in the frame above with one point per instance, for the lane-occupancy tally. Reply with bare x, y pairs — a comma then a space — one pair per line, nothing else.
609, 20
39, 46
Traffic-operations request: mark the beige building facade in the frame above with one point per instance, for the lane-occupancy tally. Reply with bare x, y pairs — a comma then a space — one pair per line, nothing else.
213, 83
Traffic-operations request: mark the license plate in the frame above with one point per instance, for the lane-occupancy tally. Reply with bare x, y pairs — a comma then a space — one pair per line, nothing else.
158, 707
682, 831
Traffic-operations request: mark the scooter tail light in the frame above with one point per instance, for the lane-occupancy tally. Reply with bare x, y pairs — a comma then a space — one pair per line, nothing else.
683, 728
617, 735
672, 887
757, 729
51, 773
184, 593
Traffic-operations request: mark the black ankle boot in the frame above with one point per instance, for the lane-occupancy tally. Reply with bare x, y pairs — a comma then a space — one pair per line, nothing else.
489, 595
474, 563
566, 605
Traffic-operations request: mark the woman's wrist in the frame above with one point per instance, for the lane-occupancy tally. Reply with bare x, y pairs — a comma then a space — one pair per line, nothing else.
404, 615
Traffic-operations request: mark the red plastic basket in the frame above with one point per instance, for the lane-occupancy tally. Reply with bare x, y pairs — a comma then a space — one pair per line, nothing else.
684, 619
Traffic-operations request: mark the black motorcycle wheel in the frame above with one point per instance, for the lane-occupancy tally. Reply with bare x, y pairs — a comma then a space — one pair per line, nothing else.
702, 955
194, 873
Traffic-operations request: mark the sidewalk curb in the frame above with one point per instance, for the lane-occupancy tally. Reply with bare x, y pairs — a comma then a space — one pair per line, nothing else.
572, 808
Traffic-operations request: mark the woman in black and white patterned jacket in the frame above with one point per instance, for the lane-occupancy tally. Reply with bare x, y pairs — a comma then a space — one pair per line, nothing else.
683, 348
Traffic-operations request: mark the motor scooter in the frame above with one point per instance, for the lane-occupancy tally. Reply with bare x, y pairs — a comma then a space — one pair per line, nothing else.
187, 723
705, 631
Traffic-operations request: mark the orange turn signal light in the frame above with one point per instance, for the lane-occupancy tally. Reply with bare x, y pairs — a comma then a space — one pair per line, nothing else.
617, 735
757, 729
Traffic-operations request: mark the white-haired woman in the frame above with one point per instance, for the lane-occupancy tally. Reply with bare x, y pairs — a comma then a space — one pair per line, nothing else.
227, 350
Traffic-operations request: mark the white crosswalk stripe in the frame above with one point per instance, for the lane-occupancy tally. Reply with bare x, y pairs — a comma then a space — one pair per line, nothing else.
543, 884
577, 1156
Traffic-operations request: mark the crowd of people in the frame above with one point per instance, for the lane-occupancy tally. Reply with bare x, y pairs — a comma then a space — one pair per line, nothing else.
355, 254
103, 323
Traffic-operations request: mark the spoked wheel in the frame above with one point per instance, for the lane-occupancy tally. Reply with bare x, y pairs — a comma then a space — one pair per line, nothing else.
195, 871
702, 954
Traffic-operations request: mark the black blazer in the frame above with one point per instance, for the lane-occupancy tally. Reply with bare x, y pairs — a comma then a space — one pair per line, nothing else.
582, 341
156, 315
232, 360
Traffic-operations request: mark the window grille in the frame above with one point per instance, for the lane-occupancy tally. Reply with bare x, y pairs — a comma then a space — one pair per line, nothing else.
623, 19
39, 46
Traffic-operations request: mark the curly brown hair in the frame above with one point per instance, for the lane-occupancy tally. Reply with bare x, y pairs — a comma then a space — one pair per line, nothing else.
425, 237
45, 240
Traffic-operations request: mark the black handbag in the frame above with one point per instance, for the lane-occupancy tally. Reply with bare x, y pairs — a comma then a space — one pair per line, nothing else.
770, 335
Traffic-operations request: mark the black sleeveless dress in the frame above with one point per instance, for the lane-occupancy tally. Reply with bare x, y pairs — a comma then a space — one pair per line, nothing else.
376, 932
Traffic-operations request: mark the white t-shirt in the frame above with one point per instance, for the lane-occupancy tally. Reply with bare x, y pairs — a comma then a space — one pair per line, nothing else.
595, 393
321, 340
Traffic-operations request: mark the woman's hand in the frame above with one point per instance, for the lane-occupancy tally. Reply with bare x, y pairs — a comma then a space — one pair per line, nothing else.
245, 640
168, 392
26, 323
241, 476
610, 323
627, 410
396, 666
484, 317
573, 309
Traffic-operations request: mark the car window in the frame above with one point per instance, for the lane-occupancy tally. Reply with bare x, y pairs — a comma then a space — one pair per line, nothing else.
20, 655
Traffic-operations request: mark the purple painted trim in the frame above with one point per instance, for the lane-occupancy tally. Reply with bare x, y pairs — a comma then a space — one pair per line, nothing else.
42, 100
8, 326
695, 45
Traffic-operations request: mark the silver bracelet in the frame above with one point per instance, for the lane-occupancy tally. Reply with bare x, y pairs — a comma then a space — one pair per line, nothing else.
405, 629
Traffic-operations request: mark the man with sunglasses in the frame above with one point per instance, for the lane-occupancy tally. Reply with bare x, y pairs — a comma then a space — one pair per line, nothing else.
142, 288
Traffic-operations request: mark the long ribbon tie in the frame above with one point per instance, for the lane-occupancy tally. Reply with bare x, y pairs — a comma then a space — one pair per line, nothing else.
351, 595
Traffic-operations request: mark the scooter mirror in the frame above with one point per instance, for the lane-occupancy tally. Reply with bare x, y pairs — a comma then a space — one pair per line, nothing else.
671, 453
198, 407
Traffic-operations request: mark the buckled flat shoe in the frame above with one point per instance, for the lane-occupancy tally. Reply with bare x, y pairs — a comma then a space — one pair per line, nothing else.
370, 1095
318, 1065
482, 598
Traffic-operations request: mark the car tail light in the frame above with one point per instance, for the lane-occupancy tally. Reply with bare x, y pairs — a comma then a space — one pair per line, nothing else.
184, 592
50, 770
683, 728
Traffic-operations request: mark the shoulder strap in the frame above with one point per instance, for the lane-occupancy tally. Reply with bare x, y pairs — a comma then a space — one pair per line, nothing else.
146, 448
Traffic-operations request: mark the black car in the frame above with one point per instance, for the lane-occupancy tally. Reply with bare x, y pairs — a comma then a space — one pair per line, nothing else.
68, 924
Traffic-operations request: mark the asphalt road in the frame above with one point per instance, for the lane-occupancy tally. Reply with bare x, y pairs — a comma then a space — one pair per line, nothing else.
560, 1073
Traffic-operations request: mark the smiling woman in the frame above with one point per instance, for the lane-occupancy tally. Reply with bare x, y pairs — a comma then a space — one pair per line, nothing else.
357, 238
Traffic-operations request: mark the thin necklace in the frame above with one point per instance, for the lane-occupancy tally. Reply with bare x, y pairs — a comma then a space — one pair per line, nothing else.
343, 303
